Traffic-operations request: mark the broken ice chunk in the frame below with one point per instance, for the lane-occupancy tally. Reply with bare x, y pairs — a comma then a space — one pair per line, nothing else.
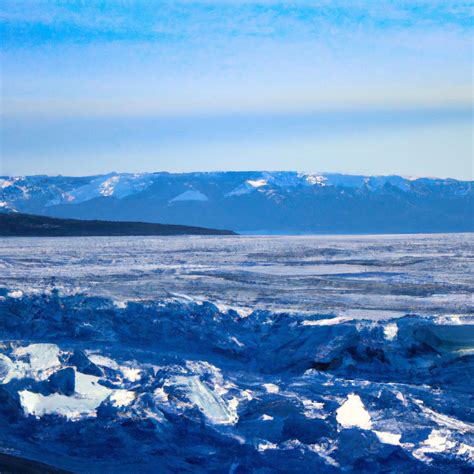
209, 402
352, 414
43, 359
88, 395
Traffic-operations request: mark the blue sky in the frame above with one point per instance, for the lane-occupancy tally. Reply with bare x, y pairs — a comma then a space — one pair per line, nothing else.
376, 87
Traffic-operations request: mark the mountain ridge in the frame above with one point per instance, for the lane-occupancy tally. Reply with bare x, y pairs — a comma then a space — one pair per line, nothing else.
283, 201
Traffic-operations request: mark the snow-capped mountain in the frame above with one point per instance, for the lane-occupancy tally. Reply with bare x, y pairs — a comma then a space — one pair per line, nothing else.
251, 201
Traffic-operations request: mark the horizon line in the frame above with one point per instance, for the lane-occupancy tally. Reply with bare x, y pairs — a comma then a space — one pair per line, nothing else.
203, 172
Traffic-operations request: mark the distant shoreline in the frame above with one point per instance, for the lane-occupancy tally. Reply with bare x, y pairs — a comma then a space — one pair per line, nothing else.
29, 225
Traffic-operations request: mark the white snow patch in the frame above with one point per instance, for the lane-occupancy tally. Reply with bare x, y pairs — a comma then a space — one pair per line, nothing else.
118, 186
352, 413
266, 445
390, 331
313, 409
15, 294
325, 322
257, 183
160, 395
191, 195
88, 395
248, 186
4, 183
247, 395
271, 387
131, 373
107, 187
466, 450
120, 304
313, 405
437, 442
243, 312
122, 398
72, 408
388, 438
454, 319
315, 179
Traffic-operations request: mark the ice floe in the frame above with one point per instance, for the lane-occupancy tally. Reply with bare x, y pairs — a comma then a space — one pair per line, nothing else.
209, 402
40, 359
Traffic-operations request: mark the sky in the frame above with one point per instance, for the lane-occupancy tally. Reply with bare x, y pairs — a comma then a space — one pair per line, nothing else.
362, 87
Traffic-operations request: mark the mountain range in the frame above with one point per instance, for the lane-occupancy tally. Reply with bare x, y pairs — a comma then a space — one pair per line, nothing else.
254, 201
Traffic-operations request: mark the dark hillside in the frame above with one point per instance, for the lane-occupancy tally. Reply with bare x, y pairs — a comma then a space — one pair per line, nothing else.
27, 225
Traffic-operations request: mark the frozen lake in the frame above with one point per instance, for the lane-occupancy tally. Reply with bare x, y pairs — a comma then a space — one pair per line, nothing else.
238, 354
404, 273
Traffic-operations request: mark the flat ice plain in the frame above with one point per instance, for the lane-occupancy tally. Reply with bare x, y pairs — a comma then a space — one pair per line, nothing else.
417, 273
239, 354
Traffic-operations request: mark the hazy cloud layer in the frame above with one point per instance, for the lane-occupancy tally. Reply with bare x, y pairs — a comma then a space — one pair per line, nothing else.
95, 63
